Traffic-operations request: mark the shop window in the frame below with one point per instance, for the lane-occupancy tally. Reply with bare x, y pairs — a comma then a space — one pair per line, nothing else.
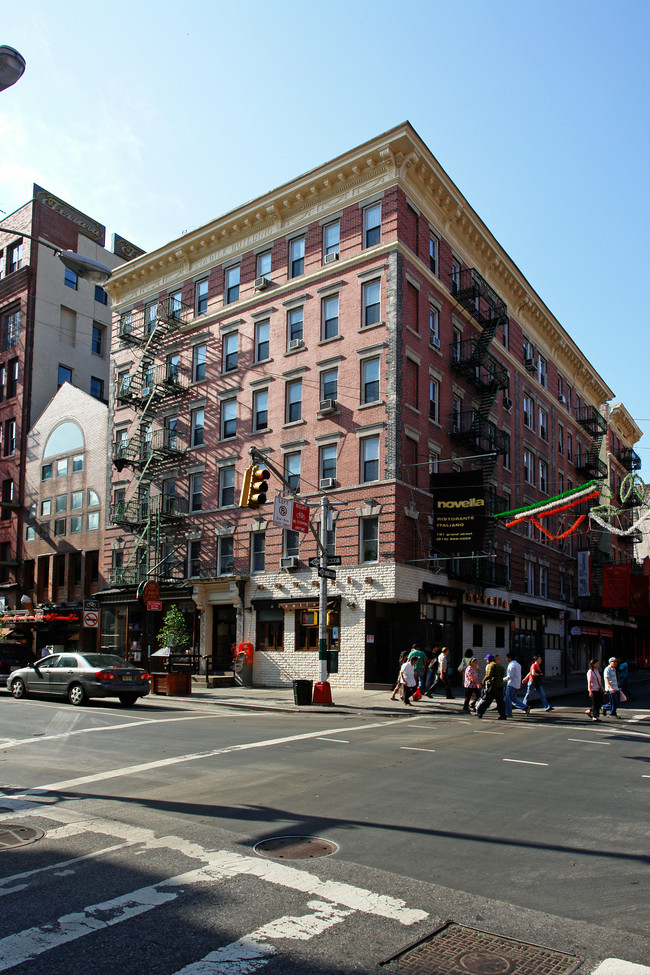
307, 629
269, 631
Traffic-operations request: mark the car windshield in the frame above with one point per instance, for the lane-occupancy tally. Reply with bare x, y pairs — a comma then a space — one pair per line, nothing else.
105, 660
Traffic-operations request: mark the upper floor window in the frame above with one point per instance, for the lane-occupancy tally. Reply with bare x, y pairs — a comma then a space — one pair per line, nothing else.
201, 297
262, 335
296, 257
98, 339
260, 409
330, 326
12, 378
232, 284
258, 551
327, 462
100, 295
196, 492
329, 381
229, 418
175, 304
292, 470
434, 245
372, 225
455, 273
331, 238
150, 317
226, 559
97, 387
434, 400
71, 279
194, 558
14, 257
368, 539
230, 351
370, 459
543, 423
64, 376
198, 425
264, 264
295, 322
293, 409
529, 467
434, 326
199, 356
10, 330
370, 379
543, 476
371, 302
542, 371
529, 417
226, 486
10, 438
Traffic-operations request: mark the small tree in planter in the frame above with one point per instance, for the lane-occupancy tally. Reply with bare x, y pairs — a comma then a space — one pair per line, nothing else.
173, 633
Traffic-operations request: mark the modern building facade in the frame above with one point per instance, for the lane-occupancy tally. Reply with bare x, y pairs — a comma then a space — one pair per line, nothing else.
54, 328
363, 330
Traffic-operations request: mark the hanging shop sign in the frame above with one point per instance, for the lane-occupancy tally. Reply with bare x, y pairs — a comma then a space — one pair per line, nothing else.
458, 512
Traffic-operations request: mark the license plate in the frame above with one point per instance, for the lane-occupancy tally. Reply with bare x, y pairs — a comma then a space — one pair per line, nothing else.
127, 677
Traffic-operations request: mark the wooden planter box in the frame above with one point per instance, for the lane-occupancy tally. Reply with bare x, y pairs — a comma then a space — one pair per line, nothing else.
174, 685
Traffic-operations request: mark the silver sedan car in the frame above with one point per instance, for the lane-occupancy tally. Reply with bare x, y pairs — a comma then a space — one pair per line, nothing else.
79, 676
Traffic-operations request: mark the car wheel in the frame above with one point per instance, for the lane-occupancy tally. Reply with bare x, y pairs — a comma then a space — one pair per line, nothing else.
128, 700
18, 688
76, 694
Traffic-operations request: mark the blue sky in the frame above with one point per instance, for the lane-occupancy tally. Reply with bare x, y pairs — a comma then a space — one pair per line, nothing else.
155, 117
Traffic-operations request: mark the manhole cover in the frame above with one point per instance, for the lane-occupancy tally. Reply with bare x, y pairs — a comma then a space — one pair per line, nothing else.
455, 949
12, 835
295, 847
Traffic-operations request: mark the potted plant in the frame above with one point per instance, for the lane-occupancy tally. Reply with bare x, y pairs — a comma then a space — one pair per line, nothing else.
173, 635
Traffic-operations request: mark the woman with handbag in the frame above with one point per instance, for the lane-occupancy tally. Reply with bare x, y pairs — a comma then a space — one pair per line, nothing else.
595, 689
472, 683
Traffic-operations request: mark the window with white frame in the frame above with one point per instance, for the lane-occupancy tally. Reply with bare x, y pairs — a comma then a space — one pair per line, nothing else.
229, 418
194, 558
369, 539
542, 371
260, 409
330, 317
329, 383
262, 339
196, 491
293, 409
295, 324
201, 297
226, 486
569, 446
434, 399
529, 412
506, 452
371, 300
14, 257
98, 339
198, 423
258, 551
434, 247
199, 356
543, 476
434, 326
369, 458
543, 582
529, 578
372, 225
327, 461
370, 379
225, 555
264, 264
231, 288
560, 438
542, 417
290, 543
296, 257
230, 351
331, 237
292, 469
455, 274
529, 467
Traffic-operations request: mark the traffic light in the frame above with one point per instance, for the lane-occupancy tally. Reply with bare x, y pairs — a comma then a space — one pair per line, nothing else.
254, 487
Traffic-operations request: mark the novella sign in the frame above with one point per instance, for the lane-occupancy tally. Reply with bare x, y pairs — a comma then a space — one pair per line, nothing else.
458, 512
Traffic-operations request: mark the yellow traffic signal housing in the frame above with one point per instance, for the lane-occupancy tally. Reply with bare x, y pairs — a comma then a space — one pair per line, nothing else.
254, 487
259, 485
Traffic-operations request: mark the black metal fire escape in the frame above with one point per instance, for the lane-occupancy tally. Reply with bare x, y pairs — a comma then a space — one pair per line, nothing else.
152, 451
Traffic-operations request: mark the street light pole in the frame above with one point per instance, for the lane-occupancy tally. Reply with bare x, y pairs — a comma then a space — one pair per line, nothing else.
322, 600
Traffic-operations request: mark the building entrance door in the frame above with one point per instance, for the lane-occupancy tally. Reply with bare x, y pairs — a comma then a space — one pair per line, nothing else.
224, 635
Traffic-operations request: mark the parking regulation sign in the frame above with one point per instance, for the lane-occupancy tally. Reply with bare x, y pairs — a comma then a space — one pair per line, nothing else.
90, 619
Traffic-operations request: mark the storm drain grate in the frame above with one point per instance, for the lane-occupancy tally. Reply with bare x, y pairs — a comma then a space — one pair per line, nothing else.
455, 949
13, 835
295, 847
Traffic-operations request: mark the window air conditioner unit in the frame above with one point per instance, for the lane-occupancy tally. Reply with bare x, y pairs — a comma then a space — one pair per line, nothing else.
435, 342
327, 406
507, 403
290, 562
296, 344
329, 258
530, 364
325, 483
261, 283
562, 399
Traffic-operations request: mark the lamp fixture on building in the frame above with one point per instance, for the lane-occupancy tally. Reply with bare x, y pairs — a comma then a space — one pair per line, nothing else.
84, 267
12, 66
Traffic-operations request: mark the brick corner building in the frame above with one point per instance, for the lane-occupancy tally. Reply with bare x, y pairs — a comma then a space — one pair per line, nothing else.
362, 329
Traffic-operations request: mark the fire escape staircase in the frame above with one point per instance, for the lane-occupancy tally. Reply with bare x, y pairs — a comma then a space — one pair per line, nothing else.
149, 452
595, 424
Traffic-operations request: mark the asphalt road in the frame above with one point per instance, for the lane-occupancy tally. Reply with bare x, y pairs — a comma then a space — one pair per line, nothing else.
533, 828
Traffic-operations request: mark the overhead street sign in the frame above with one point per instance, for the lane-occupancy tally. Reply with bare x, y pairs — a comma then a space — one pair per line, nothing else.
326, 574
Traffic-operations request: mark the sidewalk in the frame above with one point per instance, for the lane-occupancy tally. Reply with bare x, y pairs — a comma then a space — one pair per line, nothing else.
349, 700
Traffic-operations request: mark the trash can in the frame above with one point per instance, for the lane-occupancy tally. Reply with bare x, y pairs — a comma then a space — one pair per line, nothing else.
302, 690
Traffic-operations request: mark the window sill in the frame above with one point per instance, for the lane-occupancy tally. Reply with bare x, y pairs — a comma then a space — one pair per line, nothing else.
293, 423
368, 328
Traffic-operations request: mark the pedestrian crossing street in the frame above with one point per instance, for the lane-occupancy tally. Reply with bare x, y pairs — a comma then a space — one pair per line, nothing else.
197, 897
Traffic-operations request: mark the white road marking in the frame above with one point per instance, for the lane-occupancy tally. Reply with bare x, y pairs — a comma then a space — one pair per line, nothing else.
340, 741
477, 732
127, 770
37, 739
616, 966
520, 761
411, 748
253, 950
589, 741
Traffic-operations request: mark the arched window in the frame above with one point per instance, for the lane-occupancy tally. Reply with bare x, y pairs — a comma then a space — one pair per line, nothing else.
65, 438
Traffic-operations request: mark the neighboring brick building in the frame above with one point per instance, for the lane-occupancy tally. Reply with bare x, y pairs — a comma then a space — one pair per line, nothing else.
362, 328
54, 328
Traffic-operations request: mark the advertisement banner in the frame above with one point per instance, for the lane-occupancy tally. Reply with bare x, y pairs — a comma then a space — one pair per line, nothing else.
584, 571
458, 512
